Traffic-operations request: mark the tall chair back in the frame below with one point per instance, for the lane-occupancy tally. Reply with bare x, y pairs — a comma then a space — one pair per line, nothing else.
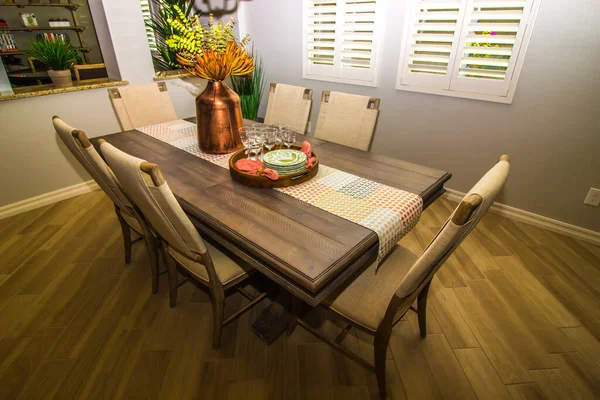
78, 144
289, 105
145, 185
142, 105
462, 221
347, 119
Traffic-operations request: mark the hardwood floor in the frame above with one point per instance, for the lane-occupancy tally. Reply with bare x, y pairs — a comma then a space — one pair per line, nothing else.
514, 313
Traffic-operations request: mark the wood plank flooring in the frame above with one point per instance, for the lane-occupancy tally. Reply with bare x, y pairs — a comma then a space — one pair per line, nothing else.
514, 313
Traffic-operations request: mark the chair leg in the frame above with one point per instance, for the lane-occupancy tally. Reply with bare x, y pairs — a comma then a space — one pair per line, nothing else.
422, 309
172, 274
152, 248
126, 230
382, 339
217, 297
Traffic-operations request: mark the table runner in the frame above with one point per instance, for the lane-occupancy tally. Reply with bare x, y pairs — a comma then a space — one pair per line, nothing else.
391, 213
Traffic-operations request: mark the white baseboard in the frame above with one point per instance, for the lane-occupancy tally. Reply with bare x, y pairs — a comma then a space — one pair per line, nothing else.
47, 198
537, 220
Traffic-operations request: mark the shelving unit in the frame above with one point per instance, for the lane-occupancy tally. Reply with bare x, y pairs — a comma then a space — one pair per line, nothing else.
72, 7
45, 28
22, 52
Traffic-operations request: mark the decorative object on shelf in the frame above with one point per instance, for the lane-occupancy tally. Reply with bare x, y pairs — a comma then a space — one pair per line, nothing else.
8, 44
28, 19
58, 22
58, 55
250, 89
53, 36
212, 52
164, 58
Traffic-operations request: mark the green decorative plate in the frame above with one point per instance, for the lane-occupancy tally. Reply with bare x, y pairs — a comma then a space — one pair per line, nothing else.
284, 158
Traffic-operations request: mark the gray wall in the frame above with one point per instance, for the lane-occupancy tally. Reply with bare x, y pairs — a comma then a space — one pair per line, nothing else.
551, 131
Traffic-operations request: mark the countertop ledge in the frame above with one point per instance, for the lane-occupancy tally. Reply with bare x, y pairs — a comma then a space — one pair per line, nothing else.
75, 88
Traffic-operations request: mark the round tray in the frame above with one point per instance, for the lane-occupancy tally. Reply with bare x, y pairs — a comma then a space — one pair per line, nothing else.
264, 182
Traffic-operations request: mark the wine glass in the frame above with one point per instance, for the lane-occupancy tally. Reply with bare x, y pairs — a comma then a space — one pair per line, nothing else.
269, 135
255, 145
244, 137
280, 131
289, 138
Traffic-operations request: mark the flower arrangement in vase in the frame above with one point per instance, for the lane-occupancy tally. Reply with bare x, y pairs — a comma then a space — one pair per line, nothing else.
212, 52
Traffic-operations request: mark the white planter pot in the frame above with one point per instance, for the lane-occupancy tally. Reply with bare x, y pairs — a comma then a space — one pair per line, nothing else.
61, 78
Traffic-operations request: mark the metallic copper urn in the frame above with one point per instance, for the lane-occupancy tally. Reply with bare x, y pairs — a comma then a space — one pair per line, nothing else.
219, 118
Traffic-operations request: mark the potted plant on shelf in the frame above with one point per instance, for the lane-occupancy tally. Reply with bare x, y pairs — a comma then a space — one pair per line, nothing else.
212, 52
58, 55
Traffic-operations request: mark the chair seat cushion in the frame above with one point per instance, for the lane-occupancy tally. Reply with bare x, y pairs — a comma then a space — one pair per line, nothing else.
365, 300
229, 271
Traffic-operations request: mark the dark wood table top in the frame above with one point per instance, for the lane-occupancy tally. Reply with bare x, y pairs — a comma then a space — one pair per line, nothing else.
308, 251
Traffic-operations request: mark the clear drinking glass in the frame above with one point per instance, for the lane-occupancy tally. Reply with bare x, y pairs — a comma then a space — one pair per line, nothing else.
269, 135
280, 131
255, 145
244, 137
289, 138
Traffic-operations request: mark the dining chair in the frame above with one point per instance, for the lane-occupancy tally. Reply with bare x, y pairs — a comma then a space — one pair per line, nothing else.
378, 298
79, 145
347, 119
289, 106
142, 105
181, 244
86, 72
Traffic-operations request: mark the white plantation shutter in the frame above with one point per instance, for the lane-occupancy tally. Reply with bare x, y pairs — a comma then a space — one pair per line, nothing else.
147, 13
433, 36
342, 39
491, 38
465, 47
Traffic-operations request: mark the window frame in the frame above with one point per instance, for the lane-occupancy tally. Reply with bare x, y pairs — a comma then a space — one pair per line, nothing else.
512, 86
382, 6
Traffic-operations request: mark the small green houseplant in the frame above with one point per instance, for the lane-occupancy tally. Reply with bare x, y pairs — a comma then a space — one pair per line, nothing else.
250, 89
58, 55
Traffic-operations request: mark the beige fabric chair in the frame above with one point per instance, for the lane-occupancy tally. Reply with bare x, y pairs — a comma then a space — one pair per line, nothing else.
142, 105
347, 119
376, 300
180, 241
79, 145
289, 106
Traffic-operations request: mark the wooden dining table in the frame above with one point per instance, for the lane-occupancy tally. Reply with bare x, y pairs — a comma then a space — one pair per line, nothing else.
307, 251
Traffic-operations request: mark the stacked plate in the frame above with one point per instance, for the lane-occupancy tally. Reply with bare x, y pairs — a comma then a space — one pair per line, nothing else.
285, 161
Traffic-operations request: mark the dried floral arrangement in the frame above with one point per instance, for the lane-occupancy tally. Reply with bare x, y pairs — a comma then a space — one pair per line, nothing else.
211, 52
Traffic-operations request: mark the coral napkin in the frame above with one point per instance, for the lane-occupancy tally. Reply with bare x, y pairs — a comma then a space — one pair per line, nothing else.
307, 149
256, 167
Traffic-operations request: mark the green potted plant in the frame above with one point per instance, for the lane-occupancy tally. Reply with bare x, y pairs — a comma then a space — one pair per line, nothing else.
250, 88
58, 55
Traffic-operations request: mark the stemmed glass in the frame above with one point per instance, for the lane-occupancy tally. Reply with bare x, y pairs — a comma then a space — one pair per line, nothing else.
255, 144
289, 138
244, 137
269, 135
280, 131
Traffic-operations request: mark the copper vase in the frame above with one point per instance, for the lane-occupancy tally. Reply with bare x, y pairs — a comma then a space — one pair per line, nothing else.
219, 117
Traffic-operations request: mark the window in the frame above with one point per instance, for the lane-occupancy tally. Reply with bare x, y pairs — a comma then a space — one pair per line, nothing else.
465, 48
147, 12
342, 40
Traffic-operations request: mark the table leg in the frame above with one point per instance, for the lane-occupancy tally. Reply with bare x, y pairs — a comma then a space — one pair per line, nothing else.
279, 317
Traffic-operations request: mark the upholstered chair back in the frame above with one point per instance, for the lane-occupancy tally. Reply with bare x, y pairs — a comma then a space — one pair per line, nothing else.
79, 145
347, 119
450, 236
144, 185
289, 105
142, 105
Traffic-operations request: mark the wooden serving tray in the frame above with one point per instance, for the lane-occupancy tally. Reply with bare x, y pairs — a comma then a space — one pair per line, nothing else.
264, 182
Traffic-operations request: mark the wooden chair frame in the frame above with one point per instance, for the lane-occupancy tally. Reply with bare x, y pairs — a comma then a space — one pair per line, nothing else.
306, 96
373, 104
216, 288
78, 67
383, 333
